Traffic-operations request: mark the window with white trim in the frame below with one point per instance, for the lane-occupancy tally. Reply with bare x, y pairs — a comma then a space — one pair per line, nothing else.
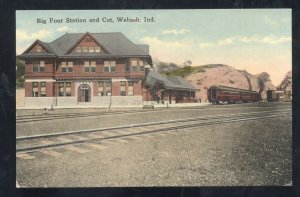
89, 66
64, 88
93, 66
134, 65
68, 88
86, 66
97, 49
127, 67
43, 89
104, 88
141, 64
109, 66
60, 88
88, 49
122, 88
35, 89
38, 66
101, 88
130, 88
66, 67
91, 49
38, 48
79, 49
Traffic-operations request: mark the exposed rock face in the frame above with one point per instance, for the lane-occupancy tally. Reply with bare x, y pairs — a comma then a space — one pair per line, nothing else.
231, 77
286, 83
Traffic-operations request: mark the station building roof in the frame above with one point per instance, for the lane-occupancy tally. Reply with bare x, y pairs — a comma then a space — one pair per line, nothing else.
170, 83
115, 44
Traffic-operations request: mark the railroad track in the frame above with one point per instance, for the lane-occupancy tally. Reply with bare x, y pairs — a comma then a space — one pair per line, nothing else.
43, 117
33, 118
41, 142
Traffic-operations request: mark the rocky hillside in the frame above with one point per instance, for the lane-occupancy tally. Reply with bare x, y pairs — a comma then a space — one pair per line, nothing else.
219, 74
286, 83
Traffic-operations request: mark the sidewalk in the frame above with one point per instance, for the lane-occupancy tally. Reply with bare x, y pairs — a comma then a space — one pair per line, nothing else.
81, 107
118, 107
167, 105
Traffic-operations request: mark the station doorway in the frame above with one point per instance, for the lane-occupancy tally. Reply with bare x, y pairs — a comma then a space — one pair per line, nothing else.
84, 93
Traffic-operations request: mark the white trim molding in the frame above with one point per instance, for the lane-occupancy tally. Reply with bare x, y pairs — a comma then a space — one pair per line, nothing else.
40, 80
121, 79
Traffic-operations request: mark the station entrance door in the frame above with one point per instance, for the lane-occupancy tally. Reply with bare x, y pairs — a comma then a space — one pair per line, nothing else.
84, 93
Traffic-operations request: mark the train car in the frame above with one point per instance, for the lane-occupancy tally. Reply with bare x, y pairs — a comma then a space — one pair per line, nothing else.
217, 94
279, 96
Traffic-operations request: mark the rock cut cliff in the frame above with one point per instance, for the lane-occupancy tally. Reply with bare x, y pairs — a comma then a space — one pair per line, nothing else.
220, 74
286, 83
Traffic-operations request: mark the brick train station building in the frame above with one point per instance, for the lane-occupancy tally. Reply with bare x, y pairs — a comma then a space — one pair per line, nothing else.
95, 69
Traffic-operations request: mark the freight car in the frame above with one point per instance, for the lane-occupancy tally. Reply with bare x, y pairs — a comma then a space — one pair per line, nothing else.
279, 96
217, 94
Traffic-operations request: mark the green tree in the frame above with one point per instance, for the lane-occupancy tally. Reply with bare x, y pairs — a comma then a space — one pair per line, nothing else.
20, 73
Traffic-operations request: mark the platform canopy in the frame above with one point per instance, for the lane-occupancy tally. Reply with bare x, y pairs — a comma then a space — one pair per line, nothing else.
170, 83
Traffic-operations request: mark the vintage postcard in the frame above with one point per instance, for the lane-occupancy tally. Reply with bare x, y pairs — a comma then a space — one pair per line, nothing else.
122, 98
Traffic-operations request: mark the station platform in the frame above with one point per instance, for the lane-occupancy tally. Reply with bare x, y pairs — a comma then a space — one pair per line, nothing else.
166, 105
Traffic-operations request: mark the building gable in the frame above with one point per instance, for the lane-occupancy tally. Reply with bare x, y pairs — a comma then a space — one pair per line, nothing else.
38, 47
87, 44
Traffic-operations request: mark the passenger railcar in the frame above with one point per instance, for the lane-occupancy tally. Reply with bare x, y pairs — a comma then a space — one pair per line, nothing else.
217, 94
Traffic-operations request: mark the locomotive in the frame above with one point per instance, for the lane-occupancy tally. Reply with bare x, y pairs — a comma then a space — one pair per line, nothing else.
217, 94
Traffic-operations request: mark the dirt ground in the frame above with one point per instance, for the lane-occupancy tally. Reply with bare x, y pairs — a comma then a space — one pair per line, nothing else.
254, 153
20, 94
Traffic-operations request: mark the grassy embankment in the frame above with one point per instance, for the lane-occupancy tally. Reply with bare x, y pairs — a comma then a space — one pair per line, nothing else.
187, 70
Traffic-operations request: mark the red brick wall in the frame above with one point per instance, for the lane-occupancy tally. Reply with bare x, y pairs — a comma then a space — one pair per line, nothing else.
146, 95
95, 89
49, 88
72, 89
28, 89
96, 74
99, 67
77, 66
137, 88
120, 68
78, 69
48, 69
116, 88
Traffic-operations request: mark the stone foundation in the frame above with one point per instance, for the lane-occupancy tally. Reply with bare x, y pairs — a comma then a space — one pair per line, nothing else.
96, 101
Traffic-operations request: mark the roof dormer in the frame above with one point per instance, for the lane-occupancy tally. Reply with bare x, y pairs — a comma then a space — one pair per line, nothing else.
87, 44
38, 47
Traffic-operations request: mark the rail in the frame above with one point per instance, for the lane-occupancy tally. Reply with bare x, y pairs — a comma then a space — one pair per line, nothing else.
37, 142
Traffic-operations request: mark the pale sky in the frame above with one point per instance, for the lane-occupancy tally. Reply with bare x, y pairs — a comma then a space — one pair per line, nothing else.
257, 40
